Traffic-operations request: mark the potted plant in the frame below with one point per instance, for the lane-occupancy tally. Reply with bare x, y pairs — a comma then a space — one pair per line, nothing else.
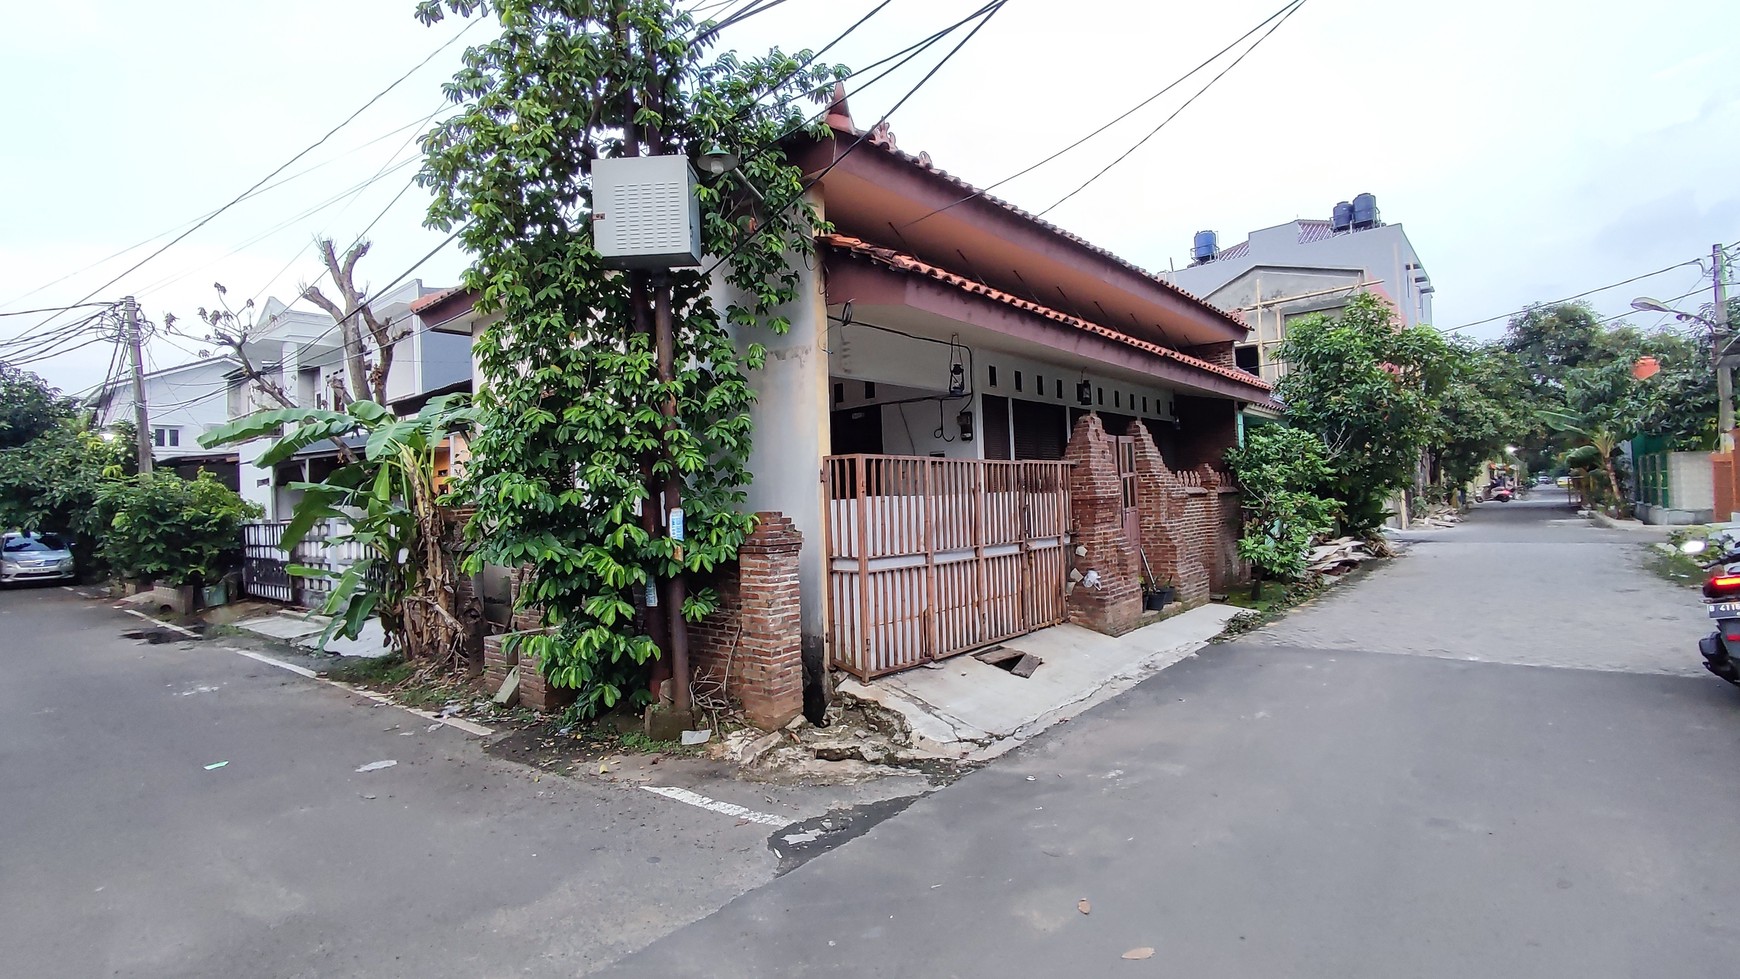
1156, 597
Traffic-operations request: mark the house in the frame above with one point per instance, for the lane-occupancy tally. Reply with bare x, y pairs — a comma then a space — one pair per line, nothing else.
978, 425
1307, 266
184, 402
302, 354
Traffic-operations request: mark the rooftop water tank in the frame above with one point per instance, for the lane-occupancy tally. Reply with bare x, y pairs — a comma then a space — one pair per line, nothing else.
1341, 219
1205, 247
1365, 211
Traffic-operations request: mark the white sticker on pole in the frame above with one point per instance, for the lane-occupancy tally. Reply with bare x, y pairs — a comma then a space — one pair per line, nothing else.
676, 523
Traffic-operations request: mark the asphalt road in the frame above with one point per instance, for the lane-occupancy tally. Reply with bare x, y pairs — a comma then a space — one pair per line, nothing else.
1382, 785
122, 854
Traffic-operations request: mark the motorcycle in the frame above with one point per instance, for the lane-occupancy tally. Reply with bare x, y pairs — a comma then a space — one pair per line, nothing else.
1722, 596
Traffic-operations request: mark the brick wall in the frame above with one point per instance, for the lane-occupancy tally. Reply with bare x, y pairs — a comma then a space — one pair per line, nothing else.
1207, 428
1114, 606
754, 642
1214, 353
1173, 519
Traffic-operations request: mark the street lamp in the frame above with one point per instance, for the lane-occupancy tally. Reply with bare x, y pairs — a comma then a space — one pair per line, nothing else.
1719, 334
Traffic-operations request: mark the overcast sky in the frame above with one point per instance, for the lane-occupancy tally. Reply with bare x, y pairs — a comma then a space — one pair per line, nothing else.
1531, 148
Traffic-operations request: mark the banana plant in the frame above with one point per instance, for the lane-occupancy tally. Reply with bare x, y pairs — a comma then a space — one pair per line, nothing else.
1595, 433
387, 500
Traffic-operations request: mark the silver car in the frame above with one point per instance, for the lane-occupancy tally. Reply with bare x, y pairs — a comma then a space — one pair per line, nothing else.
34, 557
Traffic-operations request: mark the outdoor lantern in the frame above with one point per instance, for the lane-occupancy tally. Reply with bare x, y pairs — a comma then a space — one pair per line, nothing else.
1084, 392
957, 379
716, 159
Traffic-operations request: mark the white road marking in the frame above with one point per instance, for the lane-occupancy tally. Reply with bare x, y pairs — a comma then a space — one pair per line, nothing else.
167, 625
714, 805
280, 664
469, 727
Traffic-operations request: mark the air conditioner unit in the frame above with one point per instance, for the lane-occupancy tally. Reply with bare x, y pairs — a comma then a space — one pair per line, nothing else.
645, 214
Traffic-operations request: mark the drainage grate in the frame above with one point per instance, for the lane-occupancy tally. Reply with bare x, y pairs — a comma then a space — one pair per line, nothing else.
1010, 660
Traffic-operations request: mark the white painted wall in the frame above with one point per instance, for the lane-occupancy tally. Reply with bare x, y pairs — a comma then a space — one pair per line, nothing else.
1691, 481
791, 425
191, 400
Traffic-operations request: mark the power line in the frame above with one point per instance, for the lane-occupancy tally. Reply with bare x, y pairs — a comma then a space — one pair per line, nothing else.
984, 14
52, 309
1580, 295
1187, 103
272, 186
1110, 123
304, 152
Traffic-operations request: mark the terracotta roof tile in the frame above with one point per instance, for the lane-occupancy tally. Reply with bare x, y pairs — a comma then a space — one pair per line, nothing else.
424, 302
903, 262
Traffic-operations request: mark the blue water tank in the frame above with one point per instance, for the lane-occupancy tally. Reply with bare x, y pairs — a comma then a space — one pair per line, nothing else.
1342, 217
1205, 247
1365, 211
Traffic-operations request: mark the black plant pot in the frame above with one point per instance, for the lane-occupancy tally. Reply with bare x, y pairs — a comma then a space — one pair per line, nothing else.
1158, 599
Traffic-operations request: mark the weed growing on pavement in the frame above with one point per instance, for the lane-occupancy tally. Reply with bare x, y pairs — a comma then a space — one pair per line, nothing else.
1267, 610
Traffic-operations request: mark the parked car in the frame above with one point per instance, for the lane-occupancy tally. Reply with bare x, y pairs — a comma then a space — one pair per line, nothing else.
34, 557
1562, 482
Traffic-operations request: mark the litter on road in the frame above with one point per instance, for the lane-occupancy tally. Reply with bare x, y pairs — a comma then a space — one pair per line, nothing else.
216, 765
375, 766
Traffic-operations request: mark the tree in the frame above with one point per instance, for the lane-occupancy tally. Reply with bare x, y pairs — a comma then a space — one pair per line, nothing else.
1597, 430
1487, 404
388, 502
571, 434
54, 483
363, 333
28, 406
1279, 471
166, 528
1371, 391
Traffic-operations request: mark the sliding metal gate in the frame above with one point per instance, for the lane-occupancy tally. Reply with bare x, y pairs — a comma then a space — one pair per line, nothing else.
928, 558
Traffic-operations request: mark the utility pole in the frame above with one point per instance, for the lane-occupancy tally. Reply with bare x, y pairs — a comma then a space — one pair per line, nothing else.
1724, 371
135, 346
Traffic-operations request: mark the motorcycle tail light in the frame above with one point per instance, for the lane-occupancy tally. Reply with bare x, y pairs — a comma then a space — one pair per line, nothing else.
1722, 585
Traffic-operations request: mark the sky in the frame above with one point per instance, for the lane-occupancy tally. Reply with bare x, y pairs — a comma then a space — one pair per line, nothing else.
1531, 150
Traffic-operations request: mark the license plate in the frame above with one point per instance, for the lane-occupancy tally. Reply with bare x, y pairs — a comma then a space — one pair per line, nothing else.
1725, 610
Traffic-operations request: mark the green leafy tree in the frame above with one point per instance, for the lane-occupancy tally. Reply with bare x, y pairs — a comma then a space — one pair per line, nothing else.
1371, 391
1486, 405
388, 501
54, 482
1598, 434
1280, 470
166, 528
570, 428
29, 407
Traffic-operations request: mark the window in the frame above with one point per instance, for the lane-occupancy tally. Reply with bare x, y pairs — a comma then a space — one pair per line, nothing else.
1101, 392
1039, 384
839, 393
991, 375
1144, 404
1060, 387
166, 438
1117, 399
1017, 380
870, 390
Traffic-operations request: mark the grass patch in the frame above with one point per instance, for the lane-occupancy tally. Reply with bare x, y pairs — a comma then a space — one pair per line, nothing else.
383, 671
1276, 601
1685, 570
405, 681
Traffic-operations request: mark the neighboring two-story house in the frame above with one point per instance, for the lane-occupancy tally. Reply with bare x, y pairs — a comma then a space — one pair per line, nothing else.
302, 353
1307, 266
184, 402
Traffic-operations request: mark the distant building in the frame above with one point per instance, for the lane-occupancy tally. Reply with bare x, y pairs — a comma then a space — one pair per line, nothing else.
1307, 266
185, 402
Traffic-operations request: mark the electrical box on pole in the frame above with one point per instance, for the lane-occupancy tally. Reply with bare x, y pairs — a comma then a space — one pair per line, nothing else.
645, 212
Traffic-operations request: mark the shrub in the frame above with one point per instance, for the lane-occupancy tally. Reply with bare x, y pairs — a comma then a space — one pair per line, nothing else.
169, 529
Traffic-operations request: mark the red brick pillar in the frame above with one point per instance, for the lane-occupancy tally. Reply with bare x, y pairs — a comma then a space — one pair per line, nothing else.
1113, 603
769, 679
753, 643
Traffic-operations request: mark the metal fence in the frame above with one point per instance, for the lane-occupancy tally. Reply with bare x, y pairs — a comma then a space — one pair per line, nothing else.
932, 557
266, 564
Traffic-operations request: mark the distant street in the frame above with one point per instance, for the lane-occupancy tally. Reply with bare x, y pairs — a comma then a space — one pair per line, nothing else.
1344, 795
1492, 757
